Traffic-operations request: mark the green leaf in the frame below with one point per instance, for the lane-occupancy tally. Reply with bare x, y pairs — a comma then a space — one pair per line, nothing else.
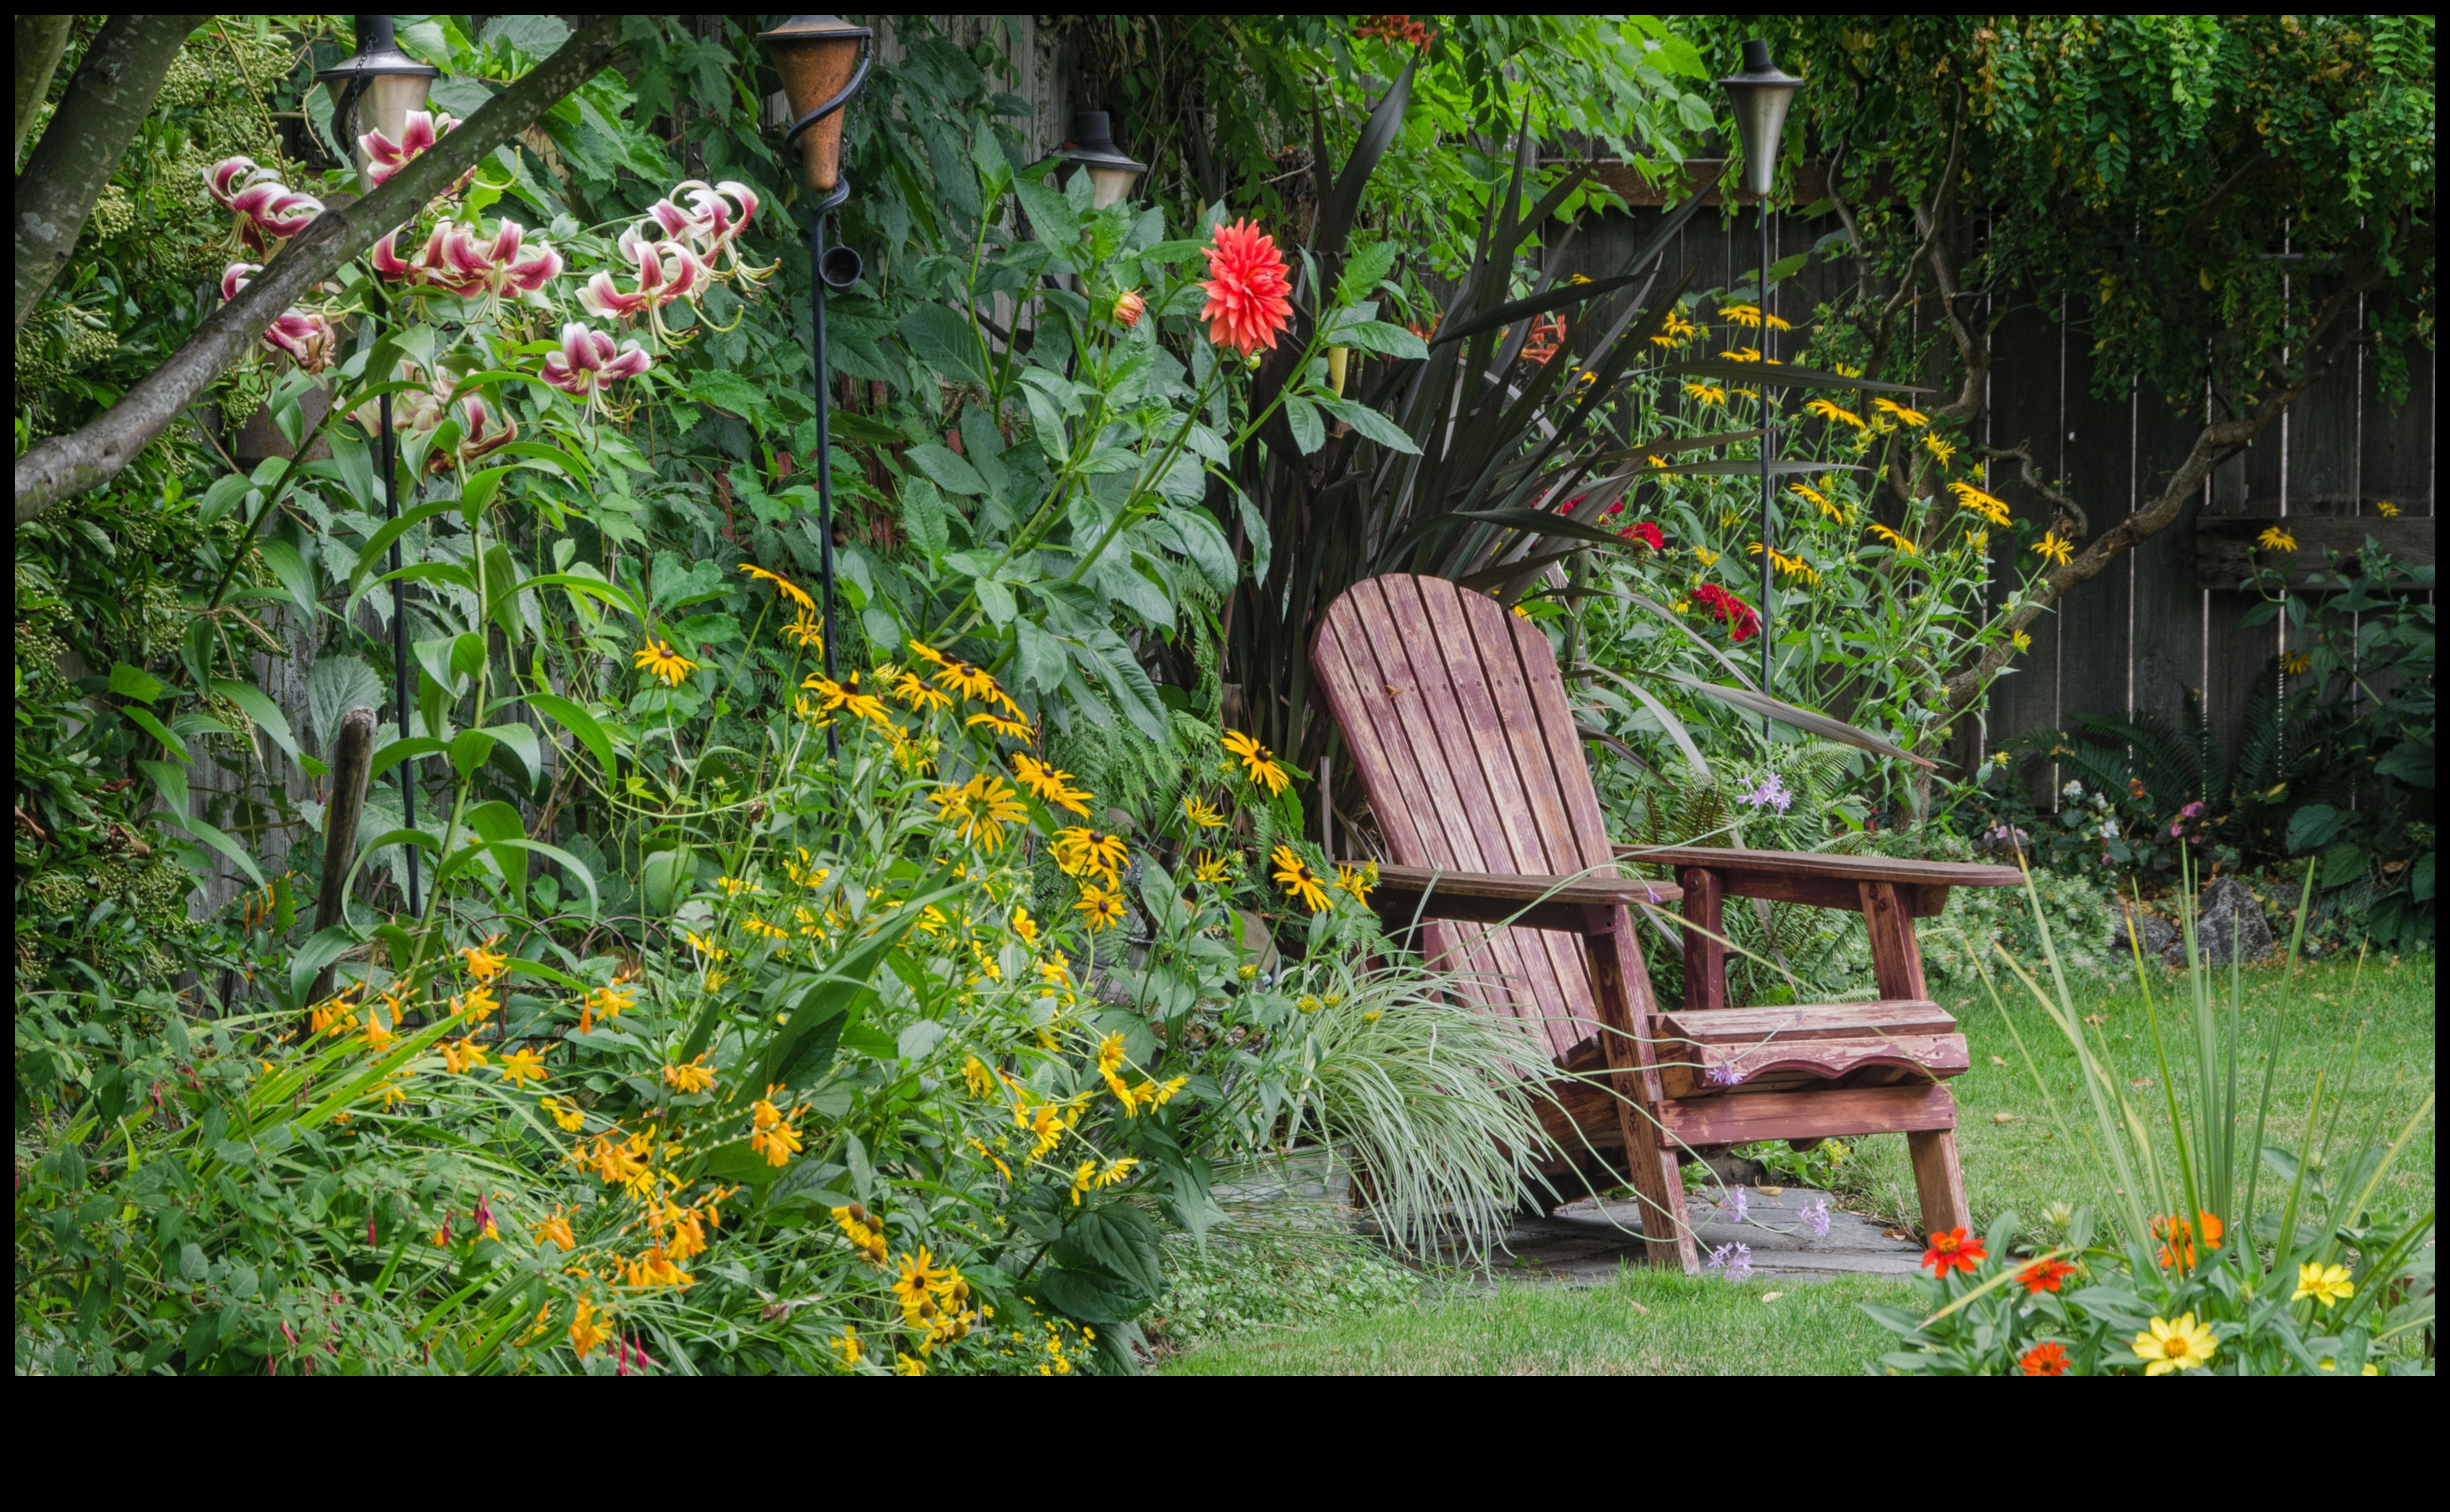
131, 682
728, 392
400, 750
339, 683
1382, 338
923, 516
469, 749
502, 593
265, 713
575, 719
1310, 431
946, 471
294, 574
227, 847
1372, 425
145, 720
171, 781
326, 947
522, 741
370, 555
2313, 827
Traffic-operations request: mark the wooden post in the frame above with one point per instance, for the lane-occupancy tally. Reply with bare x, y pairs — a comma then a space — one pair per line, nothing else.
1705, 958
1897, 961
1625, 1016
353, 756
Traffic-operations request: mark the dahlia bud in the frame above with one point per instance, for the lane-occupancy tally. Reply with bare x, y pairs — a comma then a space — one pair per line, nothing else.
1128, 309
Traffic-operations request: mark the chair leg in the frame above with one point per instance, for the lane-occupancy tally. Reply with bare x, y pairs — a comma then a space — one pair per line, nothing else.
1939, 1181
1667, 1235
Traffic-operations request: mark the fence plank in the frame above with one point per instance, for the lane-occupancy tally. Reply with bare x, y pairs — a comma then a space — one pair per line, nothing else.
2024, 410
2094, 652
2169, 625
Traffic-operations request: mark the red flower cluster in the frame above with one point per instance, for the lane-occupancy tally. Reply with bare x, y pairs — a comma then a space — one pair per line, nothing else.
1643, 533
1956, 1249
1546, 339
1743, 624
1396, 29
2044, 1359
2044, 1275
1247, 285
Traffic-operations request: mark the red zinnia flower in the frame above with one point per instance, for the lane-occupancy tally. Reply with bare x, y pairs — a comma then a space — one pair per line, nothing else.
2044, 1359
1743, 624
1956, 1250
1643, 533
1247, 284
2044, 1275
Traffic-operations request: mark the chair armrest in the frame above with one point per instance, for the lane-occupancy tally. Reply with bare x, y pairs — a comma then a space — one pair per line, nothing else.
1532, 900
1827, 882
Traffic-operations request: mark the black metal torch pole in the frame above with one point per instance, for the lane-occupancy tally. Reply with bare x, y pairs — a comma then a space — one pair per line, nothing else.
825, 447
1768, 445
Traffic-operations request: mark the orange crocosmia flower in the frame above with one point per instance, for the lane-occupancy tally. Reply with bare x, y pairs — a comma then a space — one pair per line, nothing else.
2044, 1359
2177, 1237
1955, 1249
1247, 288
2044, 1275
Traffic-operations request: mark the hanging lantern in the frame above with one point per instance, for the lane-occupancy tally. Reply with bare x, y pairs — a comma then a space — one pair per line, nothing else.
1113, 175
823, 61
376, 89
1761, 95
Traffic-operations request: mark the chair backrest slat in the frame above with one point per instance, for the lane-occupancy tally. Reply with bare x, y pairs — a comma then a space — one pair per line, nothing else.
1456, 721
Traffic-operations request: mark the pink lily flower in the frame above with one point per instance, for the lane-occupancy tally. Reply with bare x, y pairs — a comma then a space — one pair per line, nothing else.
305, 335
416, 410
588, 362
499, 267
717, 214
667, 271
264, 209
423, 129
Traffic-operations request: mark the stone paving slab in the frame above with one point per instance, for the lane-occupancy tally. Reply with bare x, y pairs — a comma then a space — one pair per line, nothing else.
1587, 1241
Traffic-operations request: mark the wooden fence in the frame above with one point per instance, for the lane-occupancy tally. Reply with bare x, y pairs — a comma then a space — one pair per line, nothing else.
2134, 640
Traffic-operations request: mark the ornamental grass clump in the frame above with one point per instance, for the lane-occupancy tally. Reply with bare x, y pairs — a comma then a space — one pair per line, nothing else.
2217, 1253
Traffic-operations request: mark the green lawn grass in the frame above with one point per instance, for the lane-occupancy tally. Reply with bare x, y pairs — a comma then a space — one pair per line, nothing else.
2015, 1155
1644, 1323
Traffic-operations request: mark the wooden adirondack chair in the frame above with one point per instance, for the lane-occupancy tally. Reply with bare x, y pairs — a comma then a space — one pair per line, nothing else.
1456, 719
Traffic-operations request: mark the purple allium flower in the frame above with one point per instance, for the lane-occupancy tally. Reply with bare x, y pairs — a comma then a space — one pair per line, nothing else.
1723, 1074
1737, 1204
1772, 793
1733, 1260
1816, 1217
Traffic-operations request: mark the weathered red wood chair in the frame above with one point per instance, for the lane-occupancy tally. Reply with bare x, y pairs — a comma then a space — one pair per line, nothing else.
1456, 719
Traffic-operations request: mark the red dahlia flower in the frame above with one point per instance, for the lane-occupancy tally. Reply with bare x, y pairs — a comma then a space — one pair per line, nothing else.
1743, 624
1246, 287
1643, 533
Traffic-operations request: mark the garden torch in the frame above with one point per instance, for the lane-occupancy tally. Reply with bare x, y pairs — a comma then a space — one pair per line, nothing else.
823, 61
1113, 173
376, 90
1761, 95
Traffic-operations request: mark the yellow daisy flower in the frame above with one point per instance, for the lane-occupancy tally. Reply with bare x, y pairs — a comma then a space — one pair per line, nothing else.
657, 659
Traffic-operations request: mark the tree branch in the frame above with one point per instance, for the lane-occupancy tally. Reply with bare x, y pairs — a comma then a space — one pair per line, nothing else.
106, 105
67, 465
40, 41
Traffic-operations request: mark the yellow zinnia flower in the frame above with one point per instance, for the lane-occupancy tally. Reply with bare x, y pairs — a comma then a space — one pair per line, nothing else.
656, 659
2184, 1345
2328, 1285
